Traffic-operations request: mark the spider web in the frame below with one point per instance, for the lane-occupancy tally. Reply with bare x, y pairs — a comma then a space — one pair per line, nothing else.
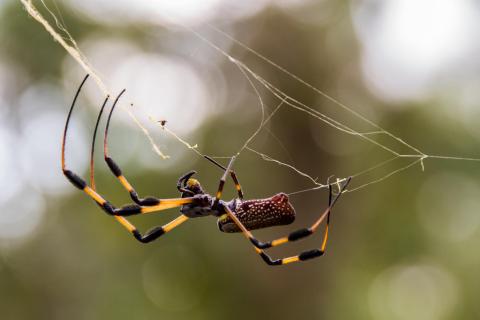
414, 156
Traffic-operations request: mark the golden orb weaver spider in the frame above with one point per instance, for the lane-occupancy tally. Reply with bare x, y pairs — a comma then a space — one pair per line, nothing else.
237, 215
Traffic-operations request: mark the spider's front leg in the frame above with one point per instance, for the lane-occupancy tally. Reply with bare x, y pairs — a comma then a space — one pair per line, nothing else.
151, 234
131, 209
115, 169
127, 210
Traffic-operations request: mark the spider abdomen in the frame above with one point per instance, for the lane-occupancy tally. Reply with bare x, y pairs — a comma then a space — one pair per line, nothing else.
260, 213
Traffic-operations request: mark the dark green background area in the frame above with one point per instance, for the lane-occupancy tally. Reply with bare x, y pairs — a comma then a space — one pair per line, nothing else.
382, 256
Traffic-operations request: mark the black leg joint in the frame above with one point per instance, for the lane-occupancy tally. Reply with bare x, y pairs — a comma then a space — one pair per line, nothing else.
299, 234
269, 261
113, 167
307, 255
128, 210
149, 201
134, 196
74, 179
137, 235
109, 208
150, 236
260, 245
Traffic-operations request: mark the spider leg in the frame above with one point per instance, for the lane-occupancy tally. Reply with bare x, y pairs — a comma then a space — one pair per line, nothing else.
305, 232
92, 150
237, 184
156, 232
296, 235
153, 233
232, 174
127, 210
221, 184
131, 209
115, 169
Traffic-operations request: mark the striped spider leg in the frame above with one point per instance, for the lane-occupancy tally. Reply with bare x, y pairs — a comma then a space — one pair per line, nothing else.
129, 209
256, 209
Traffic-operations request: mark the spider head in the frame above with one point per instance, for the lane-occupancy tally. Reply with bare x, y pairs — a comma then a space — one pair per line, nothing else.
189, 186
194, 186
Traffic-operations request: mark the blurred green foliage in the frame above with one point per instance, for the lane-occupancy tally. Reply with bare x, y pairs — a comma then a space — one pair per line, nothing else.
79, 264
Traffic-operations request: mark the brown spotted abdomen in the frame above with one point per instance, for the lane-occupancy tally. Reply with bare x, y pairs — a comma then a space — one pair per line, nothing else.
260, 213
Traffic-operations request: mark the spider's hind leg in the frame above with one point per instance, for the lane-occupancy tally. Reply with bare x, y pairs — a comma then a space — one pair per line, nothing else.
296, 235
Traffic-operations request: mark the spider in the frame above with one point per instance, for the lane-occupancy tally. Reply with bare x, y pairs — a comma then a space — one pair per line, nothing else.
237, 215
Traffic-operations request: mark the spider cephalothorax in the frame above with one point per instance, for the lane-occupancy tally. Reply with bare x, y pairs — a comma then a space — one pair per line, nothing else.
202, 204
236, 215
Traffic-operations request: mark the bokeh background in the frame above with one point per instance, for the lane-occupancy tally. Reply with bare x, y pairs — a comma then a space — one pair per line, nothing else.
405, 248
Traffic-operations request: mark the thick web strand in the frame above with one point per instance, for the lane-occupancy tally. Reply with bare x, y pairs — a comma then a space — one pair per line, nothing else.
81, 59
69, 44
